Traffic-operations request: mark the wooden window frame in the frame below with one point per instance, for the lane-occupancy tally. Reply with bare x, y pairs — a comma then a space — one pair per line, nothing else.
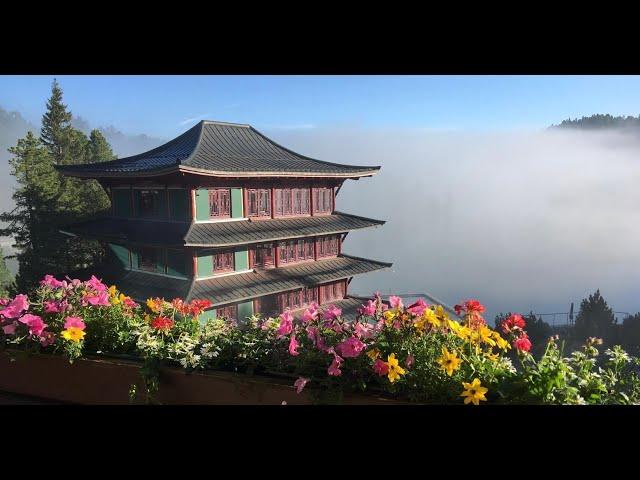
155, 194
322, 200
262, 203
293, 246
253, 253
328, 246
215, 196
227, 311
214, 261
158, 254
297, 199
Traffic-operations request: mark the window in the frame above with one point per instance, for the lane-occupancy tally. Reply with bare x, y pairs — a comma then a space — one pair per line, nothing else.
223, 262
333, 291
267, 305
292, 201
296, 250
259, 202
228, 312
328, 246
149, 259
322, 200
220, 203
148, 203
297, 299
262, 255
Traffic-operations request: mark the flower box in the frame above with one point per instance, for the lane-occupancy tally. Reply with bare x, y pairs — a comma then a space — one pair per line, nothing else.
105, 381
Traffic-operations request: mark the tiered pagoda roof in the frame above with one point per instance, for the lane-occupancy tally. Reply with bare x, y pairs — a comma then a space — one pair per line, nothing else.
219, 234
242, 286
219, 149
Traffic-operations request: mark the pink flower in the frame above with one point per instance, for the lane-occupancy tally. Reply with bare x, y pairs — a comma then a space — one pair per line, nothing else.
395, 302
4, 302
75, 322
286, 324
522, 344
96, 284
102, 299
311, 313
15, 308
47, 338
332, 312
418, 307
381, 368
10, 329
369, 309
51, 306
351, 347
300, 383
129, 303
409, 361
293, 345
334, 368
51, 282
363, 330
34, 322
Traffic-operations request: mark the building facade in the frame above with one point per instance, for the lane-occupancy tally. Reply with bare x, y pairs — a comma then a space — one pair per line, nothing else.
224, 213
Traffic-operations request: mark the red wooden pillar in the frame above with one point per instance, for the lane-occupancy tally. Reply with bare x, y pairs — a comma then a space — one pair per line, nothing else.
193, 204
276, 245
333, 199
315, 248
311, 200
195, 262
245, 210
273, 203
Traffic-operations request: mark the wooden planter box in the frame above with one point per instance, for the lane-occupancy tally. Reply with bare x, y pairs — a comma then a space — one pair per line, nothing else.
106, 381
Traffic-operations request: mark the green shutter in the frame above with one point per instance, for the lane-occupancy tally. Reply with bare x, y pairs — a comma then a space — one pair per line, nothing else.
202, 204
121, 253
241, 260
236, 203
205, 264
245, 310
179, 204
121, 202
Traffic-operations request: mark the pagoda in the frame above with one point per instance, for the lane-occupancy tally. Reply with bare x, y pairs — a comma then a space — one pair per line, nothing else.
226, 214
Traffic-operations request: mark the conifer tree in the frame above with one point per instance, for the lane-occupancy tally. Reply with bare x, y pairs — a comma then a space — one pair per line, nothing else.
5, 277
56, 123
99, 148
595, 318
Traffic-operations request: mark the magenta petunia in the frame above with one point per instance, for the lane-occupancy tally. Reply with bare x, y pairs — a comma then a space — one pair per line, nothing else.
10, 329
332, 312
74, 322
52, 282
418, 307
34, 322
369, 309
351, 347
310, 314
286, 324
300, 384
100, 300
96, 284
334, 368
293, 345
395, 302
51, 306
15, 308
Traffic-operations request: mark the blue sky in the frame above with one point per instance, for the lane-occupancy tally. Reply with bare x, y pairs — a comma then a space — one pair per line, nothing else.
164, 106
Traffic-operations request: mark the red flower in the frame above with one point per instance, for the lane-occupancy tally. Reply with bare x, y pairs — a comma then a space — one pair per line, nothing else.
162, 323
198, 306
470, 306
522, 343
514, 320
381, 367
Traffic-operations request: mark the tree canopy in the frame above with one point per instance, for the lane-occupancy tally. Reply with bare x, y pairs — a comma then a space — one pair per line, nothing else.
600, 121
46, 200
595, 318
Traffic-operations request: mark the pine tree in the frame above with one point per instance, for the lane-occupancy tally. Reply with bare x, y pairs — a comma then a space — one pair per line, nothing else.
46, 200
5, 277
595, 318
56, 123
99, 148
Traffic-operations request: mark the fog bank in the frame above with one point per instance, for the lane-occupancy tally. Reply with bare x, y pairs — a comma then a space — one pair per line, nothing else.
523, 221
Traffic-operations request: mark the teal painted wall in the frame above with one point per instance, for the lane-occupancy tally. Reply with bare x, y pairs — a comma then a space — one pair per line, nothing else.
202, 204
241, 260
121, 253
161, 205
179, 204
207, 315
177, 263
236, 203
121, 202
205, 264
245, 310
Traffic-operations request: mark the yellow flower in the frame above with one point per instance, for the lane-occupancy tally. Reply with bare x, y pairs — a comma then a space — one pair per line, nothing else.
420, 324
485, 335
465, 333
501, 343
389, 315
73, 333
449, 361
442, 315
454, 326
431, 317
395, 370
112, 291
474, 392
373, 354
492, 356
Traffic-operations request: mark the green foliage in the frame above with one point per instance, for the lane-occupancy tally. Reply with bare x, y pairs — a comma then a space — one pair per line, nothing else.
6, 278
45, 201
600, 121
631, 333
595, 318
538, 330
99, 148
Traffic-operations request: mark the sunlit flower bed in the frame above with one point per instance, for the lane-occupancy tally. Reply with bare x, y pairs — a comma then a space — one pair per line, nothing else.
414, 352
